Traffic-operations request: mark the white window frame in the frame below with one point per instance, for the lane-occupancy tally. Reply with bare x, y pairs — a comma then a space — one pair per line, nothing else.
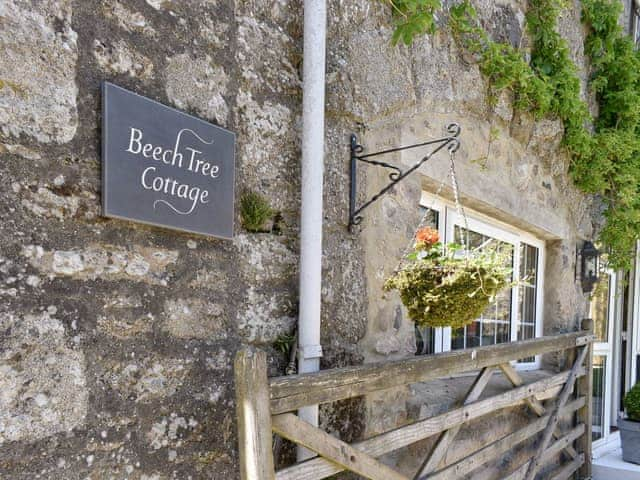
448, 218
606, 349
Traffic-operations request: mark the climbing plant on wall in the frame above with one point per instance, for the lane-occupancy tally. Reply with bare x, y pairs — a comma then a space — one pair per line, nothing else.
413, 17
613, 167
501, 63
604, 152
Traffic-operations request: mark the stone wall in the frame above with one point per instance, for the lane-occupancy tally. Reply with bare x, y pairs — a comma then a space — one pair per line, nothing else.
117, 339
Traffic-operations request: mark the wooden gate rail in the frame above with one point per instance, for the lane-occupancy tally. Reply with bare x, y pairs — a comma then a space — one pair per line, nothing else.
264, 406
292, 392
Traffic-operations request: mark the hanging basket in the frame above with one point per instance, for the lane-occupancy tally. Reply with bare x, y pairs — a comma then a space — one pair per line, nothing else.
444, 286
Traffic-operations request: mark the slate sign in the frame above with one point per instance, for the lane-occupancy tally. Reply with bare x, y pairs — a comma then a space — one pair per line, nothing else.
163, 167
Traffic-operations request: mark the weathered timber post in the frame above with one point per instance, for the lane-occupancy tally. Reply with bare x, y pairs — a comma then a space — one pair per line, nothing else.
585, 388
254, 416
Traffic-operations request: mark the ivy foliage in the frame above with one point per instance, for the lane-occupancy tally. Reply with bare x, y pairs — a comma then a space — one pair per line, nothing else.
613, 168
502, 64
604, 152
551, 61
413, 18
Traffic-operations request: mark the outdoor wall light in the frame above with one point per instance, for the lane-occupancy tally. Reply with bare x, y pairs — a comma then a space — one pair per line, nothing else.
589, 265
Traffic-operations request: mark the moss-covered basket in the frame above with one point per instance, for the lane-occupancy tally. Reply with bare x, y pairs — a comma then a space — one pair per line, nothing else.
443, 286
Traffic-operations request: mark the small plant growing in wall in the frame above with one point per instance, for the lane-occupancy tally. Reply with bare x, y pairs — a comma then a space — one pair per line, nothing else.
284, 342
448, 285
255, 212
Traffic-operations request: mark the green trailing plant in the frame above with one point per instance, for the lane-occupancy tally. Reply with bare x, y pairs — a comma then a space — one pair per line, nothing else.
255, 212
444, 285
632, 403
502, 64
613, 169
551, 61
413, 18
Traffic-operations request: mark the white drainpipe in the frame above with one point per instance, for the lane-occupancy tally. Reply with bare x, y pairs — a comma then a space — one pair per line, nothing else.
309, 349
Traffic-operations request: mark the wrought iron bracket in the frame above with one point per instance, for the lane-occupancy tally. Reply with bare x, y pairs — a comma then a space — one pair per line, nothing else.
451, 142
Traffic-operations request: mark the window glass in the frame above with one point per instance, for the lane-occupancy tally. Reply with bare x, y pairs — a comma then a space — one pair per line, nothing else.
426, 336
528, 294
597, 405
425, 340
494, 325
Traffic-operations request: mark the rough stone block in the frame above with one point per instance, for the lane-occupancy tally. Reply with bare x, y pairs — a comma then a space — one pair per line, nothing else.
266, 148
43, 388
52, 201
207, 85
150, 378
129, 20
104, 261
265, 258
264, 316
125, 324
266, 57
37, 71
380, 81
119, 58
194, 318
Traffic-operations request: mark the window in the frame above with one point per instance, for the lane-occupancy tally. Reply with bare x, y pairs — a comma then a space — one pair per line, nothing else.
494, 324
516, 313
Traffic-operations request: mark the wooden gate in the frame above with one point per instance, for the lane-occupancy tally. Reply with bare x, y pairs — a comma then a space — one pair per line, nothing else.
265, 406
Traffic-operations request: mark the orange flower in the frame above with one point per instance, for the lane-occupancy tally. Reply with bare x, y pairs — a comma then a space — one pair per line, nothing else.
427, 237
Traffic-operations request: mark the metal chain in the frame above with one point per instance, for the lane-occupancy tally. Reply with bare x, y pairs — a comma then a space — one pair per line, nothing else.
456, 197
428, 211
452, 148
435, 198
